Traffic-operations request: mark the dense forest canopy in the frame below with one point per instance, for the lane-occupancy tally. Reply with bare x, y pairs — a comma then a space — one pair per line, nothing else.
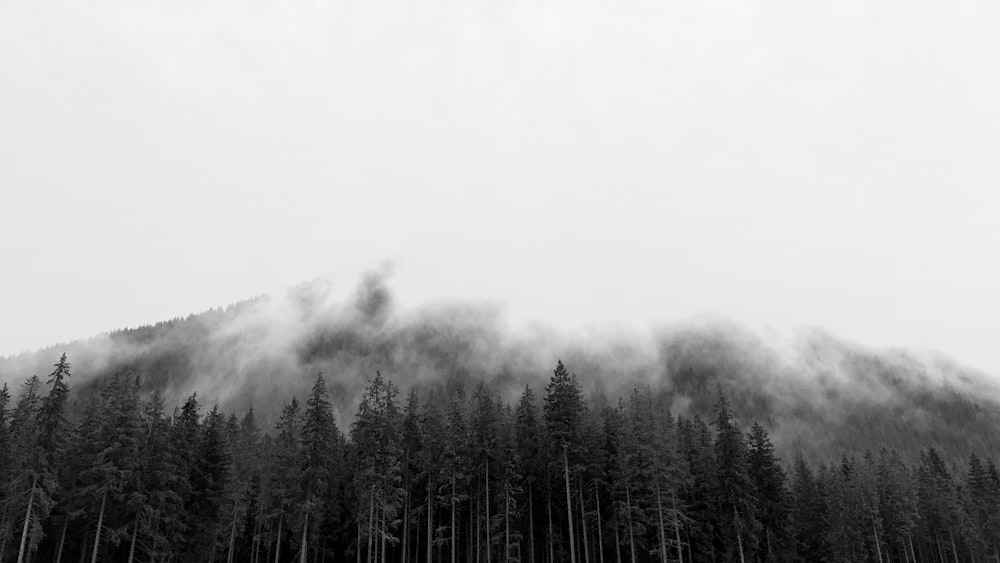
453, 475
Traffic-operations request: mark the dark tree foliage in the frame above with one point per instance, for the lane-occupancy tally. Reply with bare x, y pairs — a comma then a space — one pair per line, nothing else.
453, 478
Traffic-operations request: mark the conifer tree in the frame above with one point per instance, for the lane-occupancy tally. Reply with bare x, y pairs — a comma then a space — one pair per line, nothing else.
321, 447
808, 515
563, 410
528, 461
287, 471
772, 503
28, 485
737, 517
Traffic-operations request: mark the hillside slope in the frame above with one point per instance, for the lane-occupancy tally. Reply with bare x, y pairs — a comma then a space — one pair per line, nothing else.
816, 393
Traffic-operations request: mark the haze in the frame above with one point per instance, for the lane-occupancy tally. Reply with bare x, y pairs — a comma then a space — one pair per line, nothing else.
583, 162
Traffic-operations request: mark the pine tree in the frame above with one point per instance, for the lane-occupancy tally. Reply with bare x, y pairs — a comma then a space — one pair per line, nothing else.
27, 489
321, 443
528, 459
737, 516
808, 514
697, 496
287, 472
772, 503
563, 411
110, 483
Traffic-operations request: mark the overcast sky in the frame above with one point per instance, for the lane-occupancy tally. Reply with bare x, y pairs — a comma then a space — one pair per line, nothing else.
778, 162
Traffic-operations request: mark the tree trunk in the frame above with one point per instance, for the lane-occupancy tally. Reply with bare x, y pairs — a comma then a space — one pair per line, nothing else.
631, 536
371, 524
406, 522
488, 542
551, 536
100, 524
954, 550
62, 541
677, 526
430, 521
27, 520
618, 543
475, 531
600, 534
878, 545
531, 524
277, 544
506, 520
135, 534
569, 504
583, 525
303, 557
416, 536
663, 535
381, 531
739, 535
232, 537
454, 535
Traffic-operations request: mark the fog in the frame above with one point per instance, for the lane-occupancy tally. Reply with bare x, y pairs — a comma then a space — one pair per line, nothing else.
579, 163
812, 390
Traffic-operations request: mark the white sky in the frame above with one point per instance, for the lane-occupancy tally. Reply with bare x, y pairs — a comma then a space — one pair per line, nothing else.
780, 162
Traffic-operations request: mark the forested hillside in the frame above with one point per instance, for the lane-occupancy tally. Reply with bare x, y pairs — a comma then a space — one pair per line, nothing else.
814, 392
447, 476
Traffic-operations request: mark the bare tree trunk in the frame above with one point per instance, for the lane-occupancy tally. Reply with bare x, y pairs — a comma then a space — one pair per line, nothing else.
488, 542
531, 524
135, 534
27, 520
416, 536
600, 534
677, 526
569, 504
277, 543
430, 521
100, 523
551, 535
739, 535
954, 550
232, 537
371, 524
381, 531
305, 544
62, 541
506, 521
454, 535
618, 543
878, 545
583, 525
663, 535
631, 536
406, 524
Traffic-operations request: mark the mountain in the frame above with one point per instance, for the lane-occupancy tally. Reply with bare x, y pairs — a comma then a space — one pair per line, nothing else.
815, 393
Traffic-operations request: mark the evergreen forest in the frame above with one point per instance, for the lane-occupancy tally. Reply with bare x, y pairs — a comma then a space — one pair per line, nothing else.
558, 475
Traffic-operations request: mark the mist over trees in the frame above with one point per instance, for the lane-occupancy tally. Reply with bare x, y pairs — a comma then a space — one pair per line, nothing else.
462, 475
811, 391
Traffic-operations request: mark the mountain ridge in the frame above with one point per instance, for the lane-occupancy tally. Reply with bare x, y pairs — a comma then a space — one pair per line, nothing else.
817, 393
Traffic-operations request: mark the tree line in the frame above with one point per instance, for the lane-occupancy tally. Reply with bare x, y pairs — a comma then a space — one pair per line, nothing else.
453, 478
